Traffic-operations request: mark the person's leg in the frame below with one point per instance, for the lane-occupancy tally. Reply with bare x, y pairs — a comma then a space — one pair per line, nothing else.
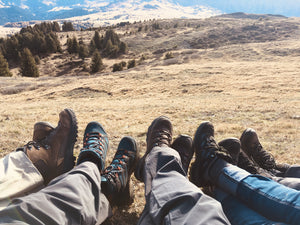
49, 154
18, 176
237, 212
233, 146
170, 197
77, 197
293, 171
269, 198
72, 198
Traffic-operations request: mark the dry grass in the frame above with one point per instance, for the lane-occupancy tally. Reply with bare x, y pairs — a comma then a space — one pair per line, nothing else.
235, 87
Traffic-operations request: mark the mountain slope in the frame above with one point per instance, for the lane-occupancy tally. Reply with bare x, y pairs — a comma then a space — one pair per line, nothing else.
106, 11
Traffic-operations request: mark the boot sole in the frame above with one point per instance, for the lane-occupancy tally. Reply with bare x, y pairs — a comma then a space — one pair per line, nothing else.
72, 138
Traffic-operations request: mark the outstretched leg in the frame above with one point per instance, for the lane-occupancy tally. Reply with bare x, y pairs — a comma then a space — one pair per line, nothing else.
269, 198
170, 197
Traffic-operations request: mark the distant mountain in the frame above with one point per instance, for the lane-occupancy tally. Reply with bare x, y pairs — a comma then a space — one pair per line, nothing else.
100, 12
241, 15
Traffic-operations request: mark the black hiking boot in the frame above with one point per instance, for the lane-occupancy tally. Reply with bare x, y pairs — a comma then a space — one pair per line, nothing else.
116, 177
159, 134
247, 164
252, 147
207, 153
183, 144
95, 145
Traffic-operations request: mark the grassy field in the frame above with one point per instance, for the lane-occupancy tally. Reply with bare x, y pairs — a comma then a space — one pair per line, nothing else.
234, 86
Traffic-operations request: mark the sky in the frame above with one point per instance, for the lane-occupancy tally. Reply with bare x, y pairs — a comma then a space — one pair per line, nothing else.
288, 8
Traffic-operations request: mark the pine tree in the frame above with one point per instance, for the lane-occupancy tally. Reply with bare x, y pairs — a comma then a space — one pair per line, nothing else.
69, 45
97, 63
83, 51
67, 26
75, 45
4, 70
123, 47
92, 46
28, 64
97, 40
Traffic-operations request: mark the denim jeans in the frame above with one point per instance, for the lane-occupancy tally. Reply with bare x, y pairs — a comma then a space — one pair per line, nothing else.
263, 195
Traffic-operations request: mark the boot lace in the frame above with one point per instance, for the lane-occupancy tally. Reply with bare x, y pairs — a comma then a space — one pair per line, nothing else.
214, 149
118, 170
161, 137
35, 144
94, 142
263, 158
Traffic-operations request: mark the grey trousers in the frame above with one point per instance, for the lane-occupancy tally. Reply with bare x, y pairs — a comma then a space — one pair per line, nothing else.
171, 198
72, 198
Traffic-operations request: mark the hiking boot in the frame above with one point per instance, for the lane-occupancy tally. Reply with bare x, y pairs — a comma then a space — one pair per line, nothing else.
95, 145
252, 147
207, 152
116, 177
233, 146
247, 164
52, 155
282, 167
159, 134
183, 144
42, 130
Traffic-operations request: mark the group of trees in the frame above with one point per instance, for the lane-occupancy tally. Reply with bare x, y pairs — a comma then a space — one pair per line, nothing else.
33, 41
24, 48
108, 45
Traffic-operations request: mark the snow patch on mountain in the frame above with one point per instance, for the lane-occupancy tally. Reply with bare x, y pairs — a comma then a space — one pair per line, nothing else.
56, 9
144, 10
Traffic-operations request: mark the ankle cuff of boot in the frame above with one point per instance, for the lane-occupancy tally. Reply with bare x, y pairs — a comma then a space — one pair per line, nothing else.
91, 156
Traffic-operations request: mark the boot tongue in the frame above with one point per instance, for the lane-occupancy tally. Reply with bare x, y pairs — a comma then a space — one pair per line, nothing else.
42, 130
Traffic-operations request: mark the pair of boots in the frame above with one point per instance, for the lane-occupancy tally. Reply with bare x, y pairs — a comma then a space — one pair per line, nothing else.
160, 134
207, 150
51, 152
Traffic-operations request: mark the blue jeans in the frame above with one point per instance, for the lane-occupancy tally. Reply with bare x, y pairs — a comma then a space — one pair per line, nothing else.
263, 195
237, 212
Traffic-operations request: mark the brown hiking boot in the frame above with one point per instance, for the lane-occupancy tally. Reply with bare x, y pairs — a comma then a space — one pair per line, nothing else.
53, 154
183, 144
252, 147
159, 134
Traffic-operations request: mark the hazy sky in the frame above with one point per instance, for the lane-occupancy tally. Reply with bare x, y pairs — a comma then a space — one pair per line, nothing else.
283, 7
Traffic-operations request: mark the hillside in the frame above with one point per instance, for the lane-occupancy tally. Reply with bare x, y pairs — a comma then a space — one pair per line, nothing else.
234, 72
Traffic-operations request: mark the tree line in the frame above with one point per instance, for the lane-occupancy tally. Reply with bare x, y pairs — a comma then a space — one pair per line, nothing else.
24, 48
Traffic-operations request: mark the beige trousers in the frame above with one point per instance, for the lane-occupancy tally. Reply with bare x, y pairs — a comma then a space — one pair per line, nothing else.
18, 177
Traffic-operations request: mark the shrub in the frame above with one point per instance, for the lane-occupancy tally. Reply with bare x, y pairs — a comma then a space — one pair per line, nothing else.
169, 55
118, 66
131, 64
